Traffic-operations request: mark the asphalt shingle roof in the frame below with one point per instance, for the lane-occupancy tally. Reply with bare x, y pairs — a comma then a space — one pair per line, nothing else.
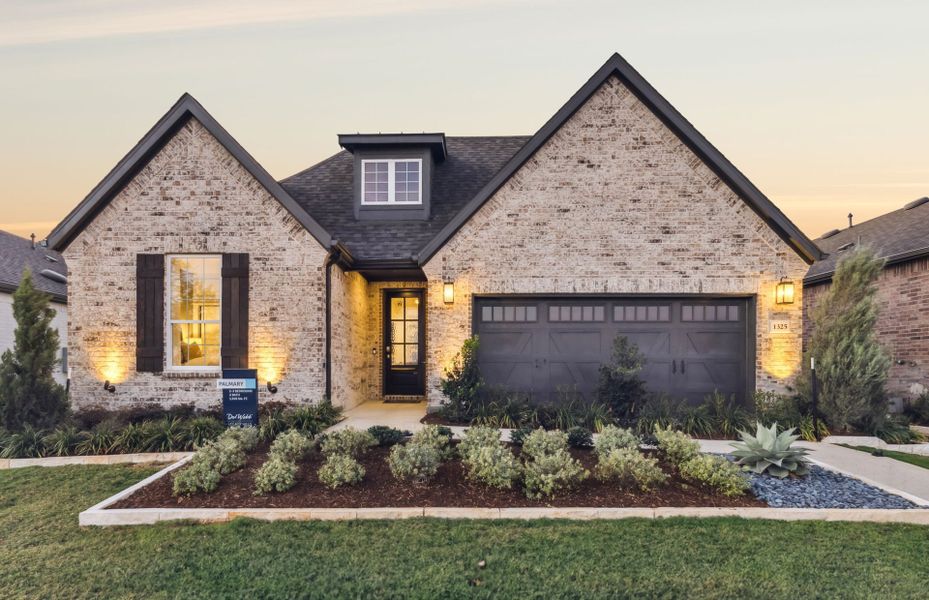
17, 254
325, 192
894, 235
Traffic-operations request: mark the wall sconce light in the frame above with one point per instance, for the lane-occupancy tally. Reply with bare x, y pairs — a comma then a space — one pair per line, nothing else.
448, 292
784, 293
272, 388
109, 386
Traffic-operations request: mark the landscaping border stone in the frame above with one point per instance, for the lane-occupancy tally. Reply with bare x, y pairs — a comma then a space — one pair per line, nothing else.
95, 459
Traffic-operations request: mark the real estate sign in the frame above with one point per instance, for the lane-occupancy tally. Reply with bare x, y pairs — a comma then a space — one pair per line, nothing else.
240, 397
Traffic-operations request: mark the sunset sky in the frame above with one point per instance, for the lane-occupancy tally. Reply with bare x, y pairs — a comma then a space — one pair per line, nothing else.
823, 105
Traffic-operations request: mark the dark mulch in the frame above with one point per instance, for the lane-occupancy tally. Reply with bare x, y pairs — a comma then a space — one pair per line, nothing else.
449, 488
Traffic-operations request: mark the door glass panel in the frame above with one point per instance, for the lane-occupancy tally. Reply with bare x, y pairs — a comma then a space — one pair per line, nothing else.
412, 332
412, 308
412, 354
396, 308
396, 331
396, 354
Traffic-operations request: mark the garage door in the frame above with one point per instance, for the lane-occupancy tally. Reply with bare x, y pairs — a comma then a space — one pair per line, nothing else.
545, 347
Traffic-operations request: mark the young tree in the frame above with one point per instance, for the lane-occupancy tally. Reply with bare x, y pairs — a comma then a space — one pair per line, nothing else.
621, 386
29, 394
462, 383
851, 366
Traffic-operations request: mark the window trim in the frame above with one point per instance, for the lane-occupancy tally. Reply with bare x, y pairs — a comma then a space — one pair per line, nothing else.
169, 340
391, 181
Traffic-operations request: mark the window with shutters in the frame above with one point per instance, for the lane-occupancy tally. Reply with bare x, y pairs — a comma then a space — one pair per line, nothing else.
194, 312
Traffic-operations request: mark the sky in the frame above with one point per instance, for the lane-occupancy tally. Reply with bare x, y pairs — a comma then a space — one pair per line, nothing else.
823, 104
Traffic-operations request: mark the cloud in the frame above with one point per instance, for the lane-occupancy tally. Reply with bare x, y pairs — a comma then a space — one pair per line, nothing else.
25, 22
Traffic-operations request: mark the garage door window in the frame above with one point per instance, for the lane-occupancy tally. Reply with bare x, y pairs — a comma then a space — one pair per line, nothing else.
575, 313
697, 312
643, 313
508, 314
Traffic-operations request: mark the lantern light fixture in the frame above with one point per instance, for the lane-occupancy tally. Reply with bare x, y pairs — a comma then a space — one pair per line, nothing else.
272, 388
109, 386
784, 292
448, 292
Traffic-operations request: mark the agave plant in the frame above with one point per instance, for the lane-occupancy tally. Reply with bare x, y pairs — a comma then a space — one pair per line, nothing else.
768, 451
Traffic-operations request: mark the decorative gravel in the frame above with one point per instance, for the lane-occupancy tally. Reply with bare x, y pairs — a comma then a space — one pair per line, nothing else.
823, 489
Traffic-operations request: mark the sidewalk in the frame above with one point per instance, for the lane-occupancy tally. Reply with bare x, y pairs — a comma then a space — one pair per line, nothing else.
400, 415
890, 475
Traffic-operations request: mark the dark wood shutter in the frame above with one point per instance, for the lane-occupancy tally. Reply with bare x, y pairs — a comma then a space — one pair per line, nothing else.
235, 311
150, 314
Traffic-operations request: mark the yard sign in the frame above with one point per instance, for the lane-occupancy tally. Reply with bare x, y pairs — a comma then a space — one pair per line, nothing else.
240, 397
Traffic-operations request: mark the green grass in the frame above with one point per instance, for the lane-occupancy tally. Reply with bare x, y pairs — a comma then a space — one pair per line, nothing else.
43, 553
913, 459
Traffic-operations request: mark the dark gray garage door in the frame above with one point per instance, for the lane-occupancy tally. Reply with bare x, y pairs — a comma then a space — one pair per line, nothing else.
542, 347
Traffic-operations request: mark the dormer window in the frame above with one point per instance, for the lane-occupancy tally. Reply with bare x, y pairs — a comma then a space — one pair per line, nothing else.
392, 181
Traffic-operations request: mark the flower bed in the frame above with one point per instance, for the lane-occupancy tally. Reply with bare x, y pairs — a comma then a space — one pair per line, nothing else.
450, 487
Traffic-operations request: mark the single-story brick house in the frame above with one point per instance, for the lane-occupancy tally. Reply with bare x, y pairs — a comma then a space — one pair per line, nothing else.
901, 238
49, 275
360, 277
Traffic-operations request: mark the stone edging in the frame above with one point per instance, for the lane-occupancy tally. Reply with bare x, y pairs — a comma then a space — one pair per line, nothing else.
96, 459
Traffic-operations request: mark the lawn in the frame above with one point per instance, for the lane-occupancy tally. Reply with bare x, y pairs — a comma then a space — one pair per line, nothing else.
43, 553
913, 459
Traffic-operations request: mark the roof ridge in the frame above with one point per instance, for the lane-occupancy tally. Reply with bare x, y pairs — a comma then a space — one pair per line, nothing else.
871, 220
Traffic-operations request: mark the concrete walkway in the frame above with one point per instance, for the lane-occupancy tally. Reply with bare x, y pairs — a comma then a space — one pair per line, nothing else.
890, 475
401, 415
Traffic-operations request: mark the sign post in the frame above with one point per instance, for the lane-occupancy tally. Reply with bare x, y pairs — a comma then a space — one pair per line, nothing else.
240, 397
814, 393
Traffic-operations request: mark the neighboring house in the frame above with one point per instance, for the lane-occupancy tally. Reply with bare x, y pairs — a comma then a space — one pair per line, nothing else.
901, 238
361, 277
49, 274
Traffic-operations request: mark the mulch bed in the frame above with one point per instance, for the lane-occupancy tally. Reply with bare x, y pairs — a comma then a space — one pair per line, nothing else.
449, 488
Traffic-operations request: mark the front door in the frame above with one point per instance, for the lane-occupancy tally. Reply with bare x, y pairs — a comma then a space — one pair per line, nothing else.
403, 343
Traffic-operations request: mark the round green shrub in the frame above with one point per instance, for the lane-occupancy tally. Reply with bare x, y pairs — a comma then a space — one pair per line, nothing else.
716, 472
340, 469
349, 441
612, 438
275, 475
580, 437
541, 443
628, 466
479, 436
678, 447
547, 474
291, 445
386, 436
414, 462
195, 478
493, 465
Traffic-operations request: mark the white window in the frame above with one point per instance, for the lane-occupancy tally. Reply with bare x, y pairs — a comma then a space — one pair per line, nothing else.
194, 312
392, 181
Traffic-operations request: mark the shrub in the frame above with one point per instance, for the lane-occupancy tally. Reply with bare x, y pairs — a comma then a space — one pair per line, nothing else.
247, 437
615, 438
727, 416
579, 437
196, 431
63, 441
716, 472
518, 436
895, 429
28, 442
163, 435
194, 478
918, 408
547, 474
498, 407
275, 475
223, 455
541, 443
621, 386
130, 438
349, 441
312, 418
769, 451
272, 421
436, 437
99, 440
414, 462
340, 469
492, 465
851, 365
479, 436
677, 446
291, 445
629, 466
29, 394
386, 436
462, 382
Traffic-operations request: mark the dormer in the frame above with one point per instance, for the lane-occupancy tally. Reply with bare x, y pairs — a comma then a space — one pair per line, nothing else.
393, 173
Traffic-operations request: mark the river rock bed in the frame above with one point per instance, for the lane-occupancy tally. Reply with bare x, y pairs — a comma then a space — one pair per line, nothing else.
823, 489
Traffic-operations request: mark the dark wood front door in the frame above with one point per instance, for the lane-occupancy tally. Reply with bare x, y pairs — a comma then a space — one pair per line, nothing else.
404, 338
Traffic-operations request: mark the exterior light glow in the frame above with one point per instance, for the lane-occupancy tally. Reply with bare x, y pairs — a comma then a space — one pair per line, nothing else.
784, 293
448, 292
